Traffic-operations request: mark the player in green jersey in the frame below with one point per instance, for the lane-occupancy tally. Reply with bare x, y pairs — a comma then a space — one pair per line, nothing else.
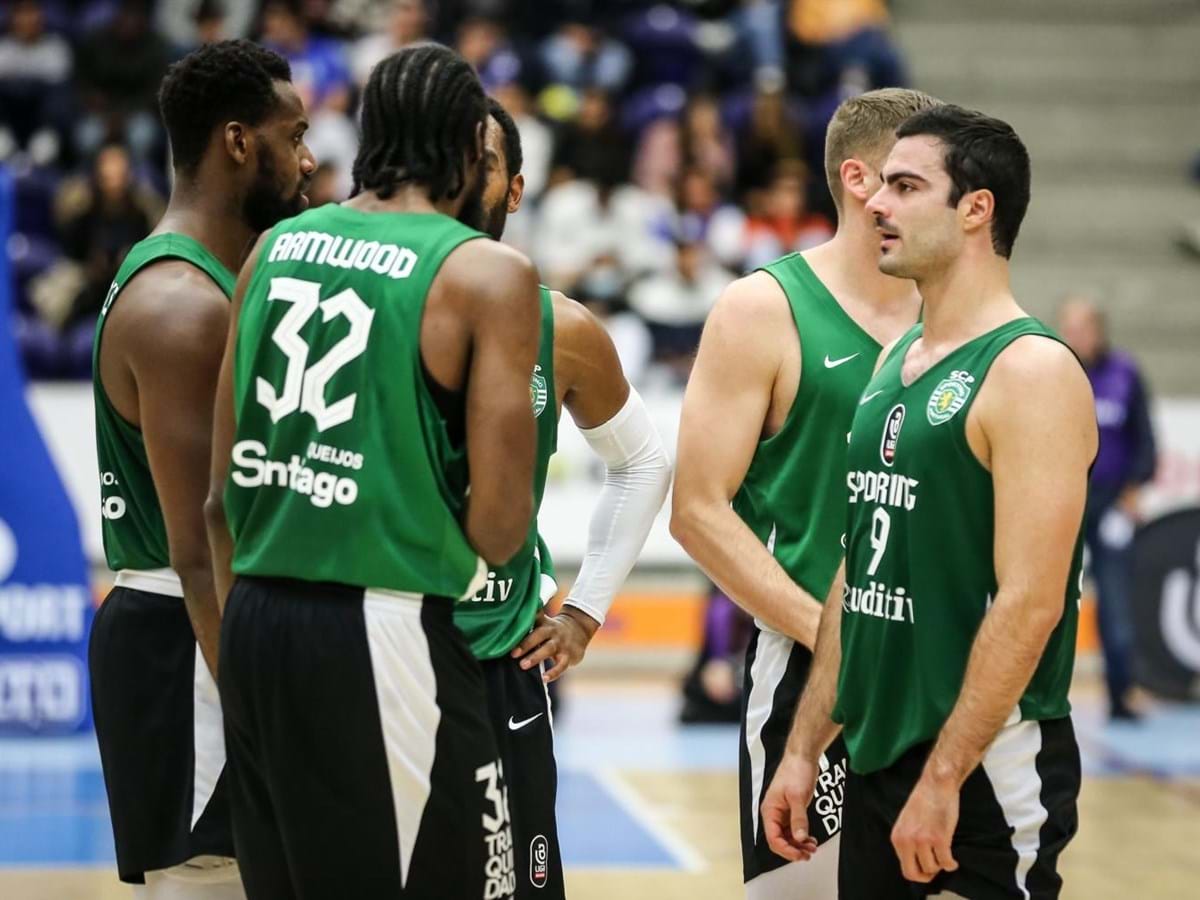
514, 639
373, 454
760, 487
949, 658
236, 128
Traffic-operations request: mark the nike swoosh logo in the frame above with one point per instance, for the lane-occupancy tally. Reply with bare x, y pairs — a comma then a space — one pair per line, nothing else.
517, 726
867, 399
834, 363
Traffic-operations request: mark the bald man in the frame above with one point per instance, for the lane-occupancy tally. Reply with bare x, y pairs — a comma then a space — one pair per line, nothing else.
1125, 463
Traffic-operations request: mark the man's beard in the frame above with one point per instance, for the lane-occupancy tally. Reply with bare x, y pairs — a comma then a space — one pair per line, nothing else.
497, 218
265, 203
473, 214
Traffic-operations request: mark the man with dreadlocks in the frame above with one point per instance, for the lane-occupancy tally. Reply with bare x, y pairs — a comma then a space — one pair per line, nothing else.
374, 445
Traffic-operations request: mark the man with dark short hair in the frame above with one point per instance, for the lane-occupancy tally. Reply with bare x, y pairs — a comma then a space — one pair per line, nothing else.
236, 128
948, 660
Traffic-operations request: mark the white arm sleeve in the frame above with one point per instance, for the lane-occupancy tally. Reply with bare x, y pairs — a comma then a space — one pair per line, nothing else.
635, 486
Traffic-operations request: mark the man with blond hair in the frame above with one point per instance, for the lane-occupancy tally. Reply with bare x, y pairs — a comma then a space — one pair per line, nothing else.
759, 497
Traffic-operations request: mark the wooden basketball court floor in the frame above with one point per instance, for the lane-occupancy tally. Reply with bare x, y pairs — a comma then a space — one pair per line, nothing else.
648, 809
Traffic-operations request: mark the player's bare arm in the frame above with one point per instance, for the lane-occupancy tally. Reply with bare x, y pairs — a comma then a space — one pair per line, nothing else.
159, 361
224, 427
725, 414
1039, 455
593, 388
480, 332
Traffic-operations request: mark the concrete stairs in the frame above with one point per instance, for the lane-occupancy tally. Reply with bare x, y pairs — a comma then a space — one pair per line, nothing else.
1106, 94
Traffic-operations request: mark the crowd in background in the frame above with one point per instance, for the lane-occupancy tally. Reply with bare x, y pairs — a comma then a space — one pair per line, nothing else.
668, 147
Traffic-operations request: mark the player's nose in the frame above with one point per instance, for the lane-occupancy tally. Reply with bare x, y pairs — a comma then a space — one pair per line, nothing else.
876, 206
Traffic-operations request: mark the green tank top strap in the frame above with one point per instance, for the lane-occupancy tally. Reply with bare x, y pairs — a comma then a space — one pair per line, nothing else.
132, 522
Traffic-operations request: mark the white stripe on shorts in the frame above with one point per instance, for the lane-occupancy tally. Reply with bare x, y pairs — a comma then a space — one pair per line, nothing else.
208, 737
406, 693
1011, 766
770, 664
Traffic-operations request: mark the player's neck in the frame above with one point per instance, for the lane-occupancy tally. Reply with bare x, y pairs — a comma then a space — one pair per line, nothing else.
211, 217
967, 299
852, 258
409, 197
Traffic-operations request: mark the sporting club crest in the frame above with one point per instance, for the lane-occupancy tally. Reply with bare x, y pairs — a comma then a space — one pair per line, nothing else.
948, 397
538, 394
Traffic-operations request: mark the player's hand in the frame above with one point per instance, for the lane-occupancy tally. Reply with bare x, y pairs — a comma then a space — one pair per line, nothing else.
563, 638
923, 833
785, 808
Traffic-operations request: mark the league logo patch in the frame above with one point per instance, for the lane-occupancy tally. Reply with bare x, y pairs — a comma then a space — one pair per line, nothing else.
891, 434
538, 395
539, 861
948, 397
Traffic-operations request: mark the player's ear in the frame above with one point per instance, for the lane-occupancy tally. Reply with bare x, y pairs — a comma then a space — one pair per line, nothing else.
856, 179
516, 190
237, 142
480, 140
976, 209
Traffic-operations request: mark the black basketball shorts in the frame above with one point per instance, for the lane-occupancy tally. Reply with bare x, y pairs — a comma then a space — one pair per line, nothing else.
361, 759
158, 725
776, 671
519, 708
1017, 811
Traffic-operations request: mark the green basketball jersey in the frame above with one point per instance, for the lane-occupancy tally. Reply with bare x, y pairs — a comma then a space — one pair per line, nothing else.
499, 616
920, 574
134, 534
342, 468
792, 496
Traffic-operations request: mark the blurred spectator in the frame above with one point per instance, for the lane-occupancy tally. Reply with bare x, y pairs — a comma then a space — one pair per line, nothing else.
319, 71
484, 43
832, 40
189, 23
580, 56
593, 238
117, 71
770, 138
712, 691
407, 23
779, 220
325, 187
675, 303
704, 216
100, 218
707, 144
659, 157
35, 67
592, 147
1125, 463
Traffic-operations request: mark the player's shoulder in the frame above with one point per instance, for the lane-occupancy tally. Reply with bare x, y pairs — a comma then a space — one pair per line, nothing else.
1031, 359
754, 303
487, 267
578, 334
1038, 365
174, 300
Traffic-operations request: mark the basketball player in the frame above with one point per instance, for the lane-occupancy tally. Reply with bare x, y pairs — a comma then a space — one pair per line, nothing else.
377, 369
504, 622
968, 468
236, 128
783, 360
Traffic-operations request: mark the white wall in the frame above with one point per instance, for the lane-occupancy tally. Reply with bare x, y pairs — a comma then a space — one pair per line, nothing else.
64, 413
